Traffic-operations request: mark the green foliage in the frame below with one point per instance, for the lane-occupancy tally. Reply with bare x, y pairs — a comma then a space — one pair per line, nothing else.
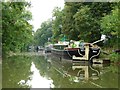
110, 26
57, 24
114, 57
110, 23
85, 25
44, 33
100, 9
16, 31
82, 20
68, 22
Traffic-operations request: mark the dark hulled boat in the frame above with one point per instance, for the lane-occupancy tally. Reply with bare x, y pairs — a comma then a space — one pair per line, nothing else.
66, 52
80, 52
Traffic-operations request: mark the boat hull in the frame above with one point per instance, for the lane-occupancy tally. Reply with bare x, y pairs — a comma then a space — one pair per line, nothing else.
78, 52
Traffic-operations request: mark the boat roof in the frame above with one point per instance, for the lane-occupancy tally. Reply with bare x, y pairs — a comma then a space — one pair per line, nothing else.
61, 43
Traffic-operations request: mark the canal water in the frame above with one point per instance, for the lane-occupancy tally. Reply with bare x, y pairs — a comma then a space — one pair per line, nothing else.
48, 71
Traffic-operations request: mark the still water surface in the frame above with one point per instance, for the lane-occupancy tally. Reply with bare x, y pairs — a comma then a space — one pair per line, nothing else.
50, 72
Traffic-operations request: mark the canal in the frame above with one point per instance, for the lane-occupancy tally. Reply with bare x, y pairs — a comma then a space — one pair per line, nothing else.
47, 71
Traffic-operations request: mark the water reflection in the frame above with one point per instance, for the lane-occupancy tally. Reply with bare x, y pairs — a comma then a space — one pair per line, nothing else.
36, 80
83, 73
80, 70
51, 72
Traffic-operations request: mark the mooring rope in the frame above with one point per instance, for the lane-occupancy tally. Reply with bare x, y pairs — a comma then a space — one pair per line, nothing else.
96, 84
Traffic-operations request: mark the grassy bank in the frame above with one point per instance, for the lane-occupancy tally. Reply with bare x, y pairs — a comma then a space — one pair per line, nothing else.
111, 54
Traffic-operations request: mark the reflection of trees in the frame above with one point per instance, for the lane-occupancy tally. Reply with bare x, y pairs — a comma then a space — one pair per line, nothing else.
64, 82
58, 80
68, 82
41, 64
58, 70
58, 73
108, 78
15, 69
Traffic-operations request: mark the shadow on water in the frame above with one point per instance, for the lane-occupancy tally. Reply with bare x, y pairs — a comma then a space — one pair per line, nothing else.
52, 72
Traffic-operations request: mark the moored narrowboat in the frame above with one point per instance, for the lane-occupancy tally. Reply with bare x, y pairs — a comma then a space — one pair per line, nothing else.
67, 51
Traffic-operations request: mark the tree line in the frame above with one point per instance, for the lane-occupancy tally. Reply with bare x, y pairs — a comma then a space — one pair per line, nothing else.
82, 21
76, 21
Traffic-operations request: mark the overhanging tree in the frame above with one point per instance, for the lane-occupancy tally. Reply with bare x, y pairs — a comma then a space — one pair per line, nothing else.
16, 31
